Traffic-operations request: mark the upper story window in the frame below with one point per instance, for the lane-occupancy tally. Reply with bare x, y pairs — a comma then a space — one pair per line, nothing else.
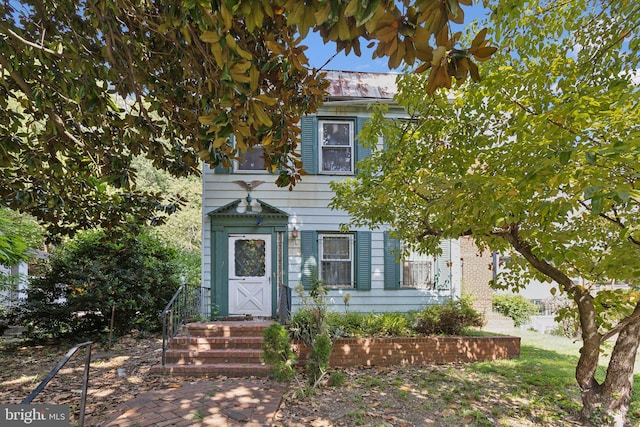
252, 160
336, 146
336, 260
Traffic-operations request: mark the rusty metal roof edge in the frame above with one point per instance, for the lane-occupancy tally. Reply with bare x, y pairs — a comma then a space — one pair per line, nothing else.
358, 84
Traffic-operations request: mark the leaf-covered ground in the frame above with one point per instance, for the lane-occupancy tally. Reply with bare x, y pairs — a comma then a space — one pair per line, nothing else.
537, 389
117, 374
437, 395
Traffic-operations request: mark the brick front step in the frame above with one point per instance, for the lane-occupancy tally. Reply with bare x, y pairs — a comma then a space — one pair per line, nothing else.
214, 369
208, 357
253, 328
210, 343
230, 348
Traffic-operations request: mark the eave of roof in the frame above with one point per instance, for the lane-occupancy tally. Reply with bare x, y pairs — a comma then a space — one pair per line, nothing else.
352, 85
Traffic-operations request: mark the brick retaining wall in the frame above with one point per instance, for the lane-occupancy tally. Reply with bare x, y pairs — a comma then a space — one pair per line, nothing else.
417, 350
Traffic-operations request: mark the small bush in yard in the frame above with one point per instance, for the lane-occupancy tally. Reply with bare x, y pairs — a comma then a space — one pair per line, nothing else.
450, 318
516, 307
302, 325
318, 361
337, 379
277, 352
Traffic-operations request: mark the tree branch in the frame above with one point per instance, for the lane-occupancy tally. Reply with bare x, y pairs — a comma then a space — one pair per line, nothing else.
57, 120
524, 248
548, 120
22, 40
624, 322
617, 221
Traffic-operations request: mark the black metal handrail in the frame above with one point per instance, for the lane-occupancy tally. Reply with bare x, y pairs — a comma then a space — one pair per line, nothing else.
188, 303
54, 371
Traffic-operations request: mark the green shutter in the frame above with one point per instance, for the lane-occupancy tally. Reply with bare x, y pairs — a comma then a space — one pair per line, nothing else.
363, 260
443, 266
309, 144
361, 152
309, 267
221, 170
391, 262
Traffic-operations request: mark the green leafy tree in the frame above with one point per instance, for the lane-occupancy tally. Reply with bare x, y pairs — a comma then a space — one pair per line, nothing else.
183, 229
542, 159
88, 86
90, 276
19, 235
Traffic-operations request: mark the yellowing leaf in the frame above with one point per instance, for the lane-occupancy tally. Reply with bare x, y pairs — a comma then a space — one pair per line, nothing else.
254, 77
267, 99
266, 141
275, 47
260, 116
226, 16
351, 8
219, 142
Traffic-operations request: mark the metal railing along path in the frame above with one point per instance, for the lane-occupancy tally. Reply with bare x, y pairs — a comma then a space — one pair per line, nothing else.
186, 304
54, 371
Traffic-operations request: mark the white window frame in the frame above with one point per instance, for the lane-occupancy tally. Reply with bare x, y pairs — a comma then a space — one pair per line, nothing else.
321, 145
416, 257
237, 163
350, 260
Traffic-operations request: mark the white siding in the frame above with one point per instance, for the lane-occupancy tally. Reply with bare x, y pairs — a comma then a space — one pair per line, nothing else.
307, 207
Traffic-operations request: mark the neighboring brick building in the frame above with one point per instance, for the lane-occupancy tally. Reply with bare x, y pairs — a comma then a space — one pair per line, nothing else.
477, 272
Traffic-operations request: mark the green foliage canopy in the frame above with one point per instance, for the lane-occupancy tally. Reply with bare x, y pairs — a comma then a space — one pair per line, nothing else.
19, 234
87, 86
89, 276
541, 158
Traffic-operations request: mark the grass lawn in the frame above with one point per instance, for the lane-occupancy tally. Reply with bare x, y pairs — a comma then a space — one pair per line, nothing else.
546, 370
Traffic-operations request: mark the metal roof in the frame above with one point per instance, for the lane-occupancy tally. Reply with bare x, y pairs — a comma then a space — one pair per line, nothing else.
356, 85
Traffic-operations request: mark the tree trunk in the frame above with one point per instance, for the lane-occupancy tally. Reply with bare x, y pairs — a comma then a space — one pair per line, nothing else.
607, 404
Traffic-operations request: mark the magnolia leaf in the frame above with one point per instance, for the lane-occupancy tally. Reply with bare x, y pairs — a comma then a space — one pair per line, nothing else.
484, 53
365, 14
479, 38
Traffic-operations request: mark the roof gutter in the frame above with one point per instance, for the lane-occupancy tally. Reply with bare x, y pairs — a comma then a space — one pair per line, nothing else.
360, 101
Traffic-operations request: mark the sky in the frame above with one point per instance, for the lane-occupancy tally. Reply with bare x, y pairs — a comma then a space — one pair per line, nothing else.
318, 53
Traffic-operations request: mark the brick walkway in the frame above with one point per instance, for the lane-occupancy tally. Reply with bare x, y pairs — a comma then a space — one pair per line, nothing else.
233, 402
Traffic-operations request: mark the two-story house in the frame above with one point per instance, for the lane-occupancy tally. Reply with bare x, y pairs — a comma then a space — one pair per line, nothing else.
260, 241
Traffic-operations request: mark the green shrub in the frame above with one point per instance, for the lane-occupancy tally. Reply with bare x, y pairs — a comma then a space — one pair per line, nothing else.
342, 325
302, 325
516, 307
89, 276
318, 360
277, 352
450, 318
388, 324
355, 324
337, 379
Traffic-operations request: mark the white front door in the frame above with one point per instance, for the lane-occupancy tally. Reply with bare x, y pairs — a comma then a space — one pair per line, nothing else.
250, 274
